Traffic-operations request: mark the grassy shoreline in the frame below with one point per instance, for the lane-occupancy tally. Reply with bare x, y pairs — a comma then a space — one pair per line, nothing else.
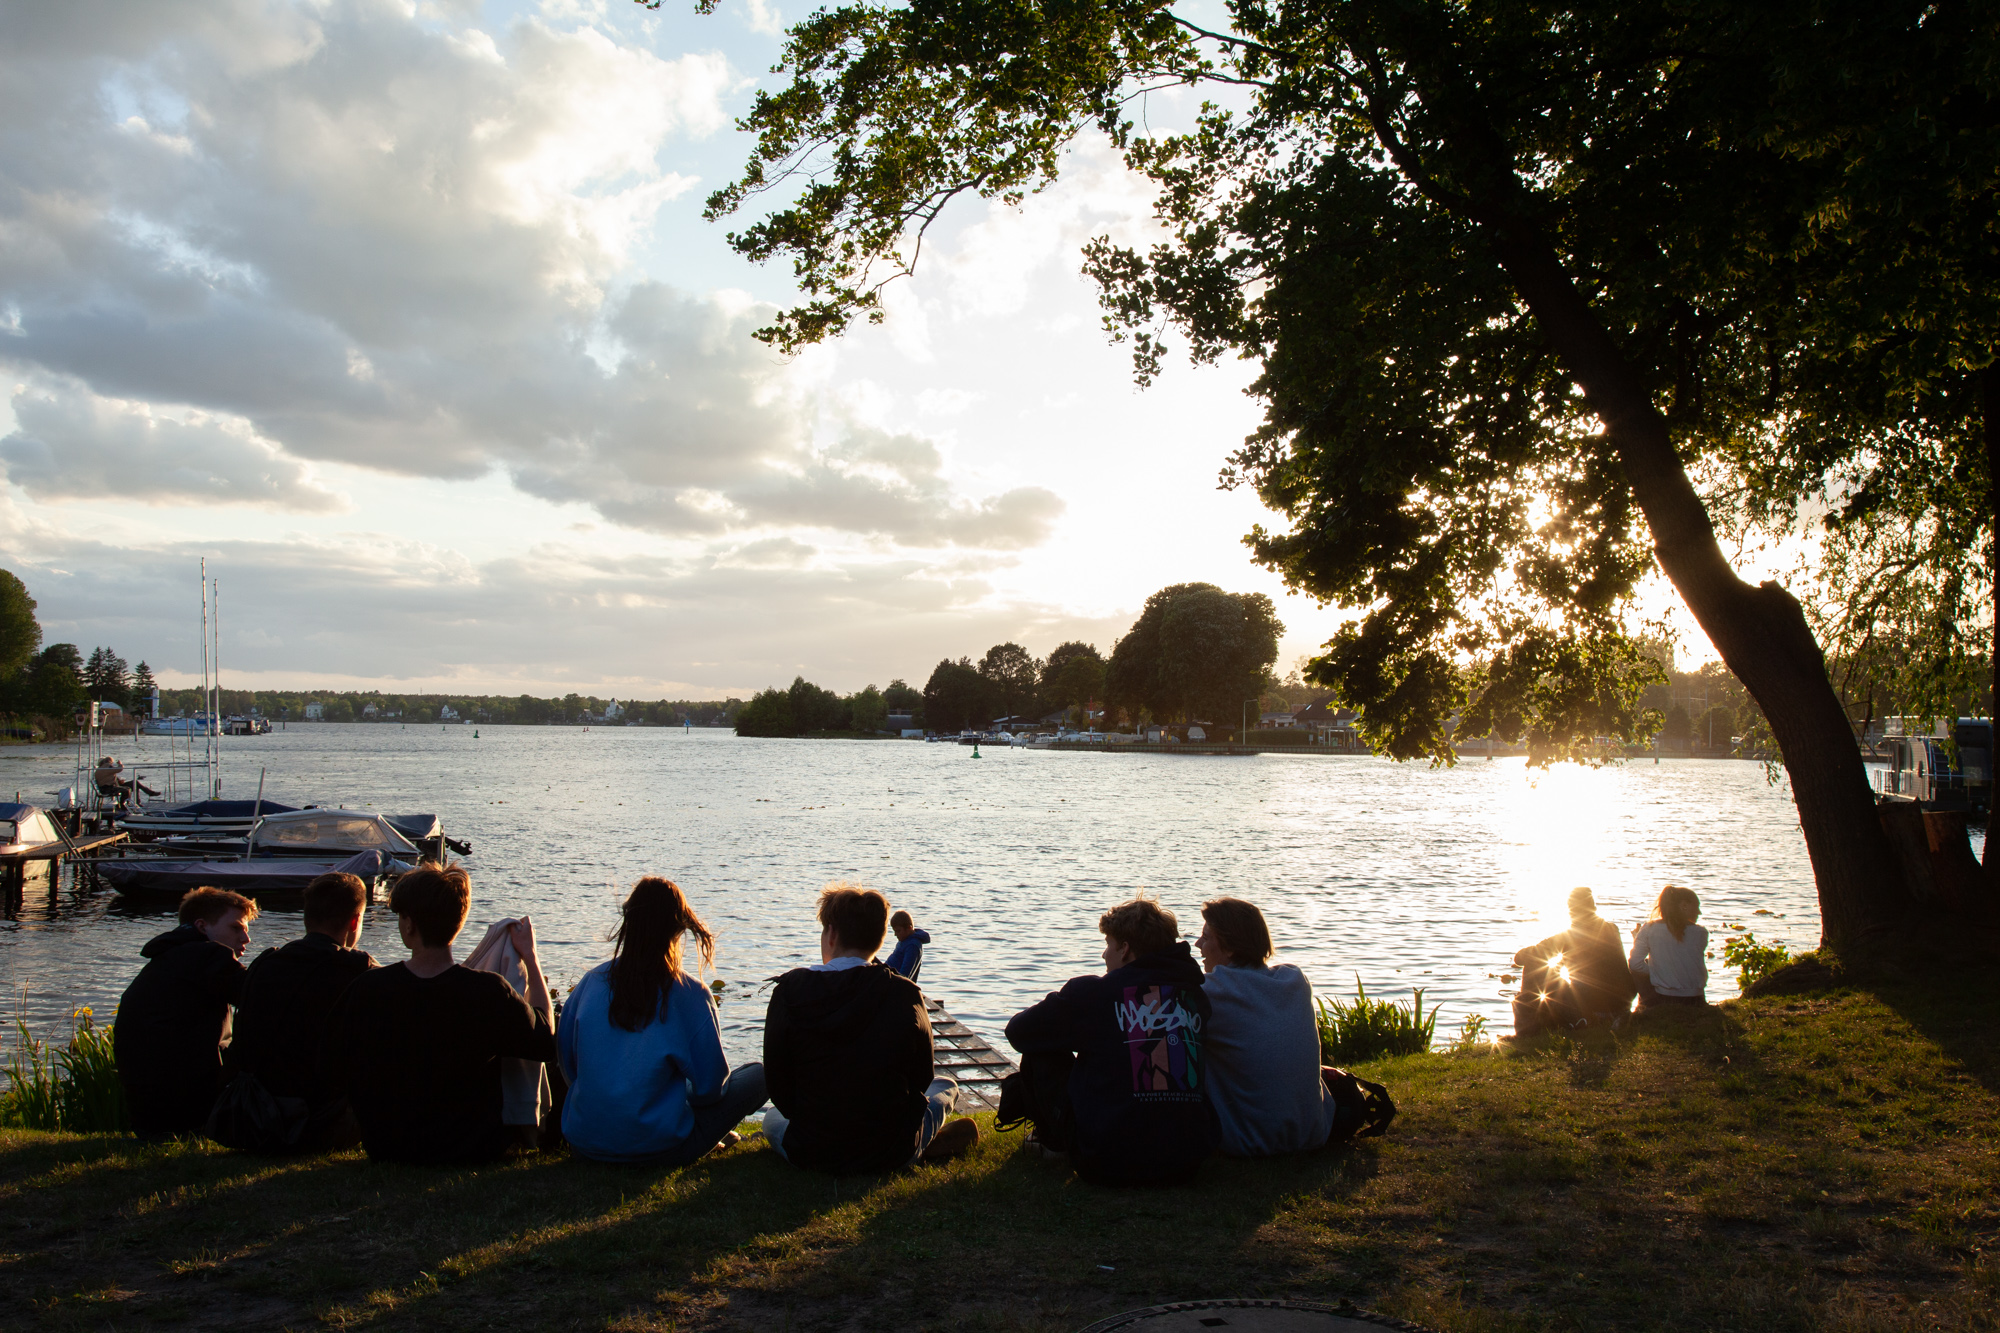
1819, 1161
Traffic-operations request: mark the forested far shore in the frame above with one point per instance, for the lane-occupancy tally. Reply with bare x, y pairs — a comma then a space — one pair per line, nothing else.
497, 709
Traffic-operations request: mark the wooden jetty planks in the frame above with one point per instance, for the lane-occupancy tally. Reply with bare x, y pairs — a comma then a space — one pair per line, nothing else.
967, 1057
56, 851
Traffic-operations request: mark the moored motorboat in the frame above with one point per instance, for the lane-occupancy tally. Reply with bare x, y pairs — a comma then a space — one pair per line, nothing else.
140, 877
219, 819
283, 853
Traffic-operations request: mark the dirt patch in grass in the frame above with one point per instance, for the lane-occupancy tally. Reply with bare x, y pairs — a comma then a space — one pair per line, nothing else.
1809, 1161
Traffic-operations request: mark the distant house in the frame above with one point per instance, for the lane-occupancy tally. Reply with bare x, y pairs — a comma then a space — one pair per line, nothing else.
447, 714
370, 711
1330, 724
1271, 720
613, 711
1322, 712
315, 711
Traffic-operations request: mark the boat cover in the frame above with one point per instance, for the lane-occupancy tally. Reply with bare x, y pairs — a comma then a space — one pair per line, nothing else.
200, 814
415, 827
24, 824
269, 874
329, 831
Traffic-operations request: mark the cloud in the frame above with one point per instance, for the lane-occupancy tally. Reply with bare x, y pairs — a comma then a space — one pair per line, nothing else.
346, 233
375, 606
72, 444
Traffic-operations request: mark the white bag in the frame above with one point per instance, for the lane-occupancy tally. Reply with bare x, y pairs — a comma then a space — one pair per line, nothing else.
524, 1084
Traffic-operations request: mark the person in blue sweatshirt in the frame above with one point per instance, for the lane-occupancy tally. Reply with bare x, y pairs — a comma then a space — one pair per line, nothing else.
907, 958
641, 1048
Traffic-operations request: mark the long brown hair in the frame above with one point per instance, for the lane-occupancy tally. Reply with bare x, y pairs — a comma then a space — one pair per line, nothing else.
1678, 907
646, 952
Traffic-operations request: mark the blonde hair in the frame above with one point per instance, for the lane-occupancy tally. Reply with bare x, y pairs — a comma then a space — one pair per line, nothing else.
1678, 907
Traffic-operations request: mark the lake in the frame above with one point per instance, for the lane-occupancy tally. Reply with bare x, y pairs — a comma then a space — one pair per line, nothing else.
1400, 874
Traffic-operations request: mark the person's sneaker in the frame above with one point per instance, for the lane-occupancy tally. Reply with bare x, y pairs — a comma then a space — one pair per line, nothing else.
955, 1140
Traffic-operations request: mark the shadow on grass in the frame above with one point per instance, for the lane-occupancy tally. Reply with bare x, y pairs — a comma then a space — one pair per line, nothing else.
1955, 1004
120, 1231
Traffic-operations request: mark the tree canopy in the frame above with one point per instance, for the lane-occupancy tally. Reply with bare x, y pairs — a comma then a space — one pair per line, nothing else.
957, 697
1540, 294
802, 709
1073, 676
1014, 674
20, 632
1196, 653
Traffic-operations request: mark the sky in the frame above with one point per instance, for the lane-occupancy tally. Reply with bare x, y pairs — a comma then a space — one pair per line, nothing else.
405, 317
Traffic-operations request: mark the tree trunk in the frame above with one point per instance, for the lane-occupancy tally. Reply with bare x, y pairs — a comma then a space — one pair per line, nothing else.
1989, 407
1760, 631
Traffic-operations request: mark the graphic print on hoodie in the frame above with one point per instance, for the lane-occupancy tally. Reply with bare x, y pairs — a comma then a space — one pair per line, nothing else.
1163, 1042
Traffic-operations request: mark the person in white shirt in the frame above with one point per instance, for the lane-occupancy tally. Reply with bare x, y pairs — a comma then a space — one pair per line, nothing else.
1669, 959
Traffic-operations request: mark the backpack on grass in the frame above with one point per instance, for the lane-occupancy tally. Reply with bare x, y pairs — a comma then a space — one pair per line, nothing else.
1361, 1109
1038, 1095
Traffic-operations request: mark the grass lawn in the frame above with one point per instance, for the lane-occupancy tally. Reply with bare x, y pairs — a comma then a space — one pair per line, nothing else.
1824, 1161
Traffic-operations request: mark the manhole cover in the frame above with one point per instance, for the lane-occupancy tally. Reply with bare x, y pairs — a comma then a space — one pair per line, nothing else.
1250, 1316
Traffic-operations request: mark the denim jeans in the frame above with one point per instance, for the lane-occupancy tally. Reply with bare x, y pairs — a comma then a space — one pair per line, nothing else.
939, 1101
742, 1093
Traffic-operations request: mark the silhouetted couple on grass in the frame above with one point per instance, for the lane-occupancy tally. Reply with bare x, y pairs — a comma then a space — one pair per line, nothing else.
1583, 976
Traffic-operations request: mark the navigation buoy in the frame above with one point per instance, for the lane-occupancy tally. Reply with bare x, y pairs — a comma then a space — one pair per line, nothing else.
975, 749
475, 733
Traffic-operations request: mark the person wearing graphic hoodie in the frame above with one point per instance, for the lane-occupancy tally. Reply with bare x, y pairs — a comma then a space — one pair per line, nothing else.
174, 1017
1138, 1110
847, 1054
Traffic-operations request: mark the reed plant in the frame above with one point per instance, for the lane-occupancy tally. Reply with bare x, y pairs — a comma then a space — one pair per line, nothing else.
1368, 1029
71, 1087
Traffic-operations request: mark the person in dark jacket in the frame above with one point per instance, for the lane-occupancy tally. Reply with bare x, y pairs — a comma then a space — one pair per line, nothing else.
174, 1018
417, 1045
847, 1054
1134, 1107
287, 1003
1575, 976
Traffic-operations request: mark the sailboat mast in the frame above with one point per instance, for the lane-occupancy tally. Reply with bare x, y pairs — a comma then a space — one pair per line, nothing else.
215, 765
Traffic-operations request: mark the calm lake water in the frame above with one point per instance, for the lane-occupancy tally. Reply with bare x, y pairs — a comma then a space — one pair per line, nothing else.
1402, 875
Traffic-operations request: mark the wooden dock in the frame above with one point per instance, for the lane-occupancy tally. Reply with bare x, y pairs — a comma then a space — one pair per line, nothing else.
56, 851
966, 1056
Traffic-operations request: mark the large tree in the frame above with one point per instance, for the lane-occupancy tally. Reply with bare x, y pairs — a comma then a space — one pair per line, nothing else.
1196, 653
1072, 677
106, 677
957, 697
1014, 674
20, 632
1530, 285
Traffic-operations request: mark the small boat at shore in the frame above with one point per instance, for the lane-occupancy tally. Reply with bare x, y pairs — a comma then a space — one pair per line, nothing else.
283, 852
221, 819
142, 877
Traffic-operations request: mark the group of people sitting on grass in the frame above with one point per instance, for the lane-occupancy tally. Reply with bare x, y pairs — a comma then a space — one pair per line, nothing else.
1583, 976
1134, 1075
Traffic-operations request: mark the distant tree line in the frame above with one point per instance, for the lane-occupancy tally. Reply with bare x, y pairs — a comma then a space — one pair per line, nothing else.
1195, 654
804, 709
494, 709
